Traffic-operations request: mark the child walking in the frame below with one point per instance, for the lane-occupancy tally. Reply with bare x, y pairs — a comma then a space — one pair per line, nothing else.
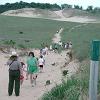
41, 63
22, 75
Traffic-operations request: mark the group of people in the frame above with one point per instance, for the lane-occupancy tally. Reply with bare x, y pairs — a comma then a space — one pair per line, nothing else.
55, 47
67, 45
60, 45
17, 68
32, 67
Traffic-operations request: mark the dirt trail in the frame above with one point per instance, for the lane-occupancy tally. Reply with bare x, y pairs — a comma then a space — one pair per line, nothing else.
77, 27
57, 36
51, 72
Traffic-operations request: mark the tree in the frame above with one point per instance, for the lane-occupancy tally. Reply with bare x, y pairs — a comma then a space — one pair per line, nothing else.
7, 4
78, 7
81, 8
90, 8
21, 4
96, 10
56, 7
65, 6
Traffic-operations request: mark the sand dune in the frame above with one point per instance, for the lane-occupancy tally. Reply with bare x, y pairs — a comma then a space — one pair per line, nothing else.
71, 15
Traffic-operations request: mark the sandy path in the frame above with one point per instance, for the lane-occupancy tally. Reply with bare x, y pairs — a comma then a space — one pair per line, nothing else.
57, 36
52, 73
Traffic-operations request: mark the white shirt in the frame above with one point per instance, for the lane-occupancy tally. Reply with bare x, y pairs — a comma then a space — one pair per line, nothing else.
65, 46
41, 61
50, 47
70, 46
60, 43
46, 49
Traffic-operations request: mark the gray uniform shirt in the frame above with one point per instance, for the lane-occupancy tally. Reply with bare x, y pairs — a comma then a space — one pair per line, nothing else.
16, 65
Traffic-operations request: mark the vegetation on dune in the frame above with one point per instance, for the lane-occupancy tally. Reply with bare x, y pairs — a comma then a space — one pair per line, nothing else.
29, 32
65, 91
81, 38
76, 87
21, 4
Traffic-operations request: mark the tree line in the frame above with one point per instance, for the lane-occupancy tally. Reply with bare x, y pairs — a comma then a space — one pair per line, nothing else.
21, 4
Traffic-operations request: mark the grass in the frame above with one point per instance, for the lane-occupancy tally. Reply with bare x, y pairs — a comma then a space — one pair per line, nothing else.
81, 38
63, 91
34, 30
76, 87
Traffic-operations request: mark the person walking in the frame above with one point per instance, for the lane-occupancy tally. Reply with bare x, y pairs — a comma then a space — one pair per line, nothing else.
70, 45
14, 74
32, 68
22, 71
41, 63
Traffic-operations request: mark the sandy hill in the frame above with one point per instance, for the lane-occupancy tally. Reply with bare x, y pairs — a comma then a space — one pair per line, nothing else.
31, 12
73, 15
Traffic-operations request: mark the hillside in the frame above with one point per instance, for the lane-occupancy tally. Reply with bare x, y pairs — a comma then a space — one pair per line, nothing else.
72, 15
31, 12
32, 29
36, 31
31, 32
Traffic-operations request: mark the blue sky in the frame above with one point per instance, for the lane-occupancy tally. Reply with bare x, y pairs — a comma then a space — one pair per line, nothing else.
84, 3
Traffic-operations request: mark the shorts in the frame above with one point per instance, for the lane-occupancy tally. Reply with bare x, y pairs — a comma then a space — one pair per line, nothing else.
41, 66
21, 77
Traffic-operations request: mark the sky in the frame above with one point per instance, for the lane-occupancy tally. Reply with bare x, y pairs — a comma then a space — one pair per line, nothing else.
83, 3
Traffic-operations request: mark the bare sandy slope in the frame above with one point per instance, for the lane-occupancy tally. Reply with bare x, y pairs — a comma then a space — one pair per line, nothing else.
70, 17
31, 12
47, 14
79, 19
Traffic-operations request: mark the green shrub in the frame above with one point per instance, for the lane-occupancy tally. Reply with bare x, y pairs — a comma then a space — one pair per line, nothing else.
22, 46
10, 43
76, 86
65, 89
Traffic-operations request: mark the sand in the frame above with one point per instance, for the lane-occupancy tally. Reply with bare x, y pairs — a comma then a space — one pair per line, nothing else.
53, 15
52, 71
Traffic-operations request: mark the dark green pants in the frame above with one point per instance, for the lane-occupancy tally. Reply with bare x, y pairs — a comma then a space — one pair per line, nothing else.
14, 82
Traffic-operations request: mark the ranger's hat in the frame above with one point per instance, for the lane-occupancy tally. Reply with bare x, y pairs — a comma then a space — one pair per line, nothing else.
14, 53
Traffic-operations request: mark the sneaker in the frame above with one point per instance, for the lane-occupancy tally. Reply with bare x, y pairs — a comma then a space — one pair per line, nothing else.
17, 95
10, 94
32, 85
26, 78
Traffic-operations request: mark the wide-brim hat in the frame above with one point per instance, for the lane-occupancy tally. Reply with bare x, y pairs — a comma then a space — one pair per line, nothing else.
14, 53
